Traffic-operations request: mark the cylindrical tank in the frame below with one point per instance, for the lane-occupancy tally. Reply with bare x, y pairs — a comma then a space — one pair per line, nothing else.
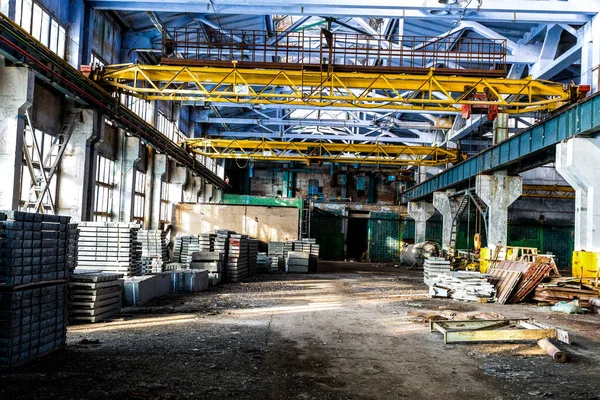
414, 255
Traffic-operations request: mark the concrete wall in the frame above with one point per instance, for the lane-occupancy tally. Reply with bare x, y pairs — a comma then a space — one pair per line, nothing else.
263, 223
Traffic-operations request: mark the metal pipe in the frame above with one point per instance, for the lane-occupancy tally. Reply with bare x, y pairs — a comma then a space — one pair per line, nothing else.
553, 351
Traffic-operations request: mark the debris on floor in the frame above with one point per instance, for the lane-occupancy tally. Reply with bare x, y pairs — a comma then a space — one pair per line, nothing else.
565, 289
466, 286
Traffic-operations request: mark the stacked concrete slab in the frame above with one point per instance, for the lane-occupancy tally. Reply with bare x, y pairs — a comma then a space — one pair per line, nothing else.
94, 296
34, 268
434, 269
252, 256
237, 259
263, 262
154, 250
207, 242
109, 247
297, 261
190, 281
139, 290
276, 252
212, 261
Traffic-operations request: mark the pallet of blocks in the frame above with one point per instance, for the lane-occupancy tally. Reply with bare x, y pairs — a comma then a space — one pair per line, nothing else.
252, 256
237, 261
191, 281
212, 261
207, 242
109, 247
34, 268
94, 296
297, 261
465, 286
154, 250
434, 268
275, 251
263, 262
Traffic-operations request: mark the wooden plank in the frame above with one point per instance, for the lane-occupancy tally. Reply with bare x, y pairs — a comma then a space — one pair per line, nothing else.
500, 335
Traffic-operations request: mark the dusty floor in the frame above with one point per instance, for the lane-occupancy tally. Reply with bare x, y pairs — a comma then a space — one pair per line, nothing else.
338, 334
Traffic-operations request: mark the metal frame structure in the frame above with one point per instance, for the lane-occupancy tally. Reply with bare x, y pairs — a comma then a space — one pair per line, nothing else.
312, 152
548, 192
425, 93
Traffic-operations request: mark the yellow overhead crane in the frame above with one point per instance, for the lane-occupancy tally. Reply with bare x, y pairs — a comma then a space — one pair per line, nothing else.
426, 92
315, 152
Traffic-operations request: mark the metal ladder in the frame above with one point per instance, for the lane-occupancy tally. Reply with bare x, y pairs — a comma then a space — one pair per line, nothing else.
43, 169
464, 202
304, 228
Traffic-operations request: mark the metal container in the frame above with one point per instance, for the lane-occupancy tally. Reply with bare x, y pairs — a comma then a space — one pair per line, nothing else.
414, 255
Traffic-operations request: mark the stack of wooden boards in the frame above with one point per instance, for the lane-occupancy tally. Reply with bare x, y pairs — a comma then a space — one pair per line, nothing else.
555, 290
154, 250
434, 268
465, 286
109, 247
515, 280
34, 268
94, 296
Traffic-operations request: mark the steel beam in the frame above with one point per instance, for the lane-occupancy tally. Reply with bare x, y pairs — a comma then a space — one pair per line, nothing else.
379, 138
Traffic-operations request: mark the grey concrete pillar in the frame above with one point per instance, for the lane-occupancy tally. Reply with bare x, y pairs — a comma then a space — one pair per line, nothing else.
193, 190
500, 128
131, 153
16, 96
448, 207
159, 169
578, 161
76, 180
420, 211
179, 178
498, 192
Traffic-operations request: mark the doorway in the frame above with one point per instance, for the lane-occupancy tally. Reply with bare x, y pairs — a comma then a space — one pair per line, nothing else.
357, 237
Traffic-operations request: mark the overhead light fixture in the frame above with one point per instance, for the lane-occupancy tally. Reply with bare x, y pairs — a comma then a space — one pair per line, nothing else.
448, 2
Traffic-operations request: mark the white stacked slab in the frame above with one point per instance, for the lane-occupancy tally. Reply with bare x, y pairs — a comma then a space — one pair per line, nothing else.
109, 247
463, 285
276, 252
434, 268
94, 296
207, 241
154, 250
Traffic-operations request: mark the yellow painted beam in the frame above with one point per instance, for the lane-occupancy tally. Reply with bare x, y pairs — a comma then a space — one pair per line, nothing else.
549, 191
427, 92
310, 152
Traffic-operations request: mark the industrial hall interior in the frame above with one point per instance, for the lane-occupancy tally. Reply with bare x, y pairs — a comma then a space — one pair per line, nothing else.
299, 199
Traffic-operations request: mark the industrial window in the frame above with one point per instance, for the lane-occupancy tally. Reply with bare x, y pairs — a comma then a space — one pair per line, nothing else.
144, 109
106, 37
96, 61
38, 155
139, 199
168, 128
105, 184
41, 25
165, 204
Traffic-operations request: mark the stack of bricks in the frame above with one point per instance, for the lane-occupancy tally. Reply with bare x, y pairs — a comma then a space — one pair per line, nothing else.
237, 260
252, 256
34, 268
109, 247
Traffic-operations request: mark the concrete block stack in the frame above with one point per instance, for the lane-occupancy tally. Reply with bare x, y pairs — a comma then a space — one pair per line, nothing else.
263, 262
139, 290
190, 281
207, 242
252, 256
222, 241
73, 230
237, 260
276, 252
434, 268
154, 250
465, 286
94, 296
34, 268
212, 261
109, 247
297, 261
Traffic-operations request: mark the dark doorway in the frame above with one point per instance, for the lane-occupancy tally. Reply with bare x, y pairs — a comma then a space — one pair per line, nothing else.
356, 243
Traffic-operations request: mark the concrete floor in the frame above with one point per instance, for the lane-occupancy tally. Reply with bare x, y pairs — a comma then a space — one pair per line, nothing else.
356, 331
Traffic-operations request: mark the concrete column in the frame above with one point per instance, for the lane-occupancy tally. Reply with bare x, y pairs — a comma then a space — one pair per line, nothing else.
448, 207
193, 190
130, 153
500, 128
578, 161
498, 192
159, 169
590, 54
76, 180
420, 211
179, 178
16, 96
